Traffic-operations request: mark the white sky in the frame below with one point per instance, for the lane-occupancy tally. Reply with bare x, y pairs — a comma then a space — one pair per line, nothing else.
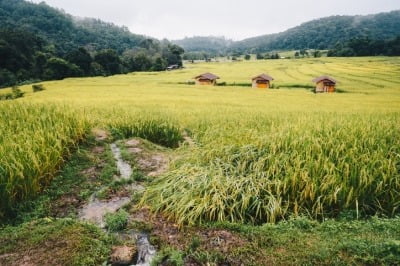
235, 19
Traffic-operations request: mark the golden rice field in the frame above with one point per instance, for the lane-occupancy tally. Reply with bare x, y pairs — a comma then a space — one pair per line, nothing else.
260, 156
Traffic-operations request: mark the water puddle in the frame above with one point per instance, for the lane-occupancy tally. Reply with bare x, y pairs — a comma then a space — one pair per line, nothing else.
124, 168
145, 251
95, 210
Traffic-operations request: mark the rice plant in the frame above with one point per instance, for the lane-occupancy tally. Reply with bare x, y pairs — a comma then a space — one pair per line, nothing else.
34, 142
317, 166
258, 156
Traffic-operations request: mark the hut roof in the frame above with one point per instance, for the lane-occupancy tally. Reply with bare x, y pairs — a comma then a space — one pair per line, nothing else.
263, 77
321, 78
209, 76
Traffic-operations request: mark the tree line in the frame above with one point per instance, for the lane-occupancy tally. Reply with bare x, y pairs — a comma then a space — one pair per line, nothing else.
27, 57
367, 47
319, 34
38, 42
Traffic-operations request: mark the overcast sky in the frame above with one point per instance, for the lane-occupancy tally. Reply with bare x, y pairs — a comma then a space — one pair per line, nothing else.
235, 19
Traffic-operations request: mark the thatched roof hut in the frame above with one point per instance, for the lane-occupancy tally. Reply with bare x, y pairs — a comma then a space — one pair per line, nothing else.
325, 84
262, 81
206, 79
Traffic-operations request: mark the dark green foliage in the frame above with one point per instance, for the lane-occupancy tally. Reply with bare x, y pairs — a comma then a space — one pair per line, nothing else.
272, 56
63, 31
7, 78
247, 57
58, 68
137, 61
82, 59
316, 53
319, 34
14, 94
109, 60
17, 52
326, 32
172, 53
367, 47
159, 64
38, 42
196, 55
38, 87
296, 86
244, 84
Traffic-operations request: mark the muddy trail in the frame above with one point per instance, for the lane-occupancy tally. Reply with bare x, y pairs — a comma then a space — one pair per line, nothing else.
101, 189
151, 163
148, 232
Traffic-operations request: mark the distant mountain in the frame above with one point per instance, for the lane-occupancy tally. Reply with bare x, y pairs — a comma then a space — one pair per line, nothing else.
64, 31
208, 44
322, 33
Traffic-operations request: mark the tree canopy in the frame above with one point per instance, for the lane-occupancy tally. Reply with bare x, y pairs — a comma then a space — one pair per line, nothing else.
38, 42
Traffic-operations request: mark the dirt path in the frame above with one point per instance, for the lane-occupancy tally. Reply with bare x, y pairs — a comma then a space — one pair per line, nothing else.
151, 163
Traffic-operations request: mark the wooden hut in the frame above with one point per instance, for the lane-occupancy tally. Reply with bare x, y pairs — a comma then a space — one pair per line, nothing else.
325, 84
262, 81
206, 79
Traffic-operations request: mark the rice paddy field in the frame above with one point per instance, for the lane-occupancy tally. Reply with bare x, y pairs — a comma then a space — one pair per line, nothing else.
259, 156
267, 172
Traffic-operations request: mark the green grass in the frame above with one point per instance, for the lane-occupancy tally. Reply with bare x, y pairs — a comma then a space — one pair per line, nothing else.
53, 242
116, 221
301, 241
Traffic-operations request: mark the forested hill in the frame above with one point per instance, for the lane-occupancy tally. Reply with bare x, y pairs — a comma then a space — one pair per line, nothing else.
38, 42
325, 33
322, 33
64, 31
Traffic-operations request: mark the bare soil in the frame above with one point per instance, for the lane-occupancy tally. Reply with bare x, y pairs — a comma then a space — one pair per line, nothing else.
151, 162
169, 233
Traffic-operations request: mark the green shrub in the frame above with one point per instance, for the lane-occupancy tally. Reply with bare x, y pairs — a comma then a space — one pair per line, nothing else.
116, 221
169, 256
38, 87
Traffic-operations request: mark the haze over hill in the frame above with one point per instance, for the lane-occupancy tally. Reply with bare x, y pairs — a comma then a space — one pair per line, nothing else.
237, 20
322, 33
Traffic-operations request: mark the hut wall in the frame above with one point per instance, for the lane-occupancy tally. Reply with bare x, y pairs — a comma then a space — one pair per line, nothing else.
205, 82
260, 84
321, 87
331, 88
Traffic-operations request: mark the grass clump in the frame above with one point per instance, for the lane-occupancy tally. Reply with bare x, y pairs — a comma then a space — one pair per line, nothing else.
116, 221
14, 94
169, 256
157, 131
295, 86
53, 242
